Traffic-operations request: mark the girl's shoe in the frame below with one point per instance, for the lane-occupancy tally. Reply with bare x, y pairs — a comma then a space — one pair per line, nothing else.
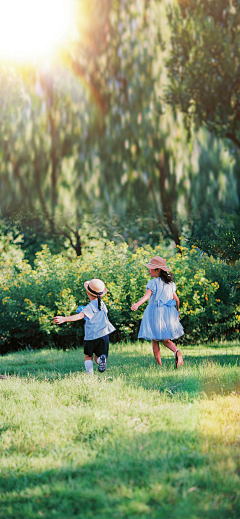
179, 359
102, 364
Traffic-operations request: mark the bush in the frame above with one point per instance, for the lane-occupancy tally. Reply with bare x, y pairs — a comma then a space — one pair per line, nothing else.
30, 297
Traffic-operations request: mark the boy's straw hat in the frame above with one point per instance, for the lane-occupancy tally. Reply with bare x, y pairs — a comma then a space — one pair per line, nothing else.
157, 263
95, 287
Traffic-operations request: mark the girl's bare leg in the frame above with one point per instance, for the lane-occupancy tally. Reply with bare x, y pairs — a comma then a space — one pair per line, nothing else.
156, 352
178, 356
169, 344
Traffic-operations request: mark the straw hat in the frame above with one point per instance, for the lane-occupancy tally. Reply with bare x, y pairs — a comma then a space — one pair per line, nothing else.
95, 287
157, 263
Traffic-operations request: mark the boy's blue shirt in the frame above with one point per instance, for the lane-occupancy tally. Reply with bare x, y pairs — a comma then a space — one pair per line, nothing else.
80, 309
97, 323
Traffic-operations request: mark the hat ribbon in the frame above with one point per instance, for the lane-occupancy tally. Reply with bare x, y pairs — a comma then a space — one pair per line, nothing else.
93, 291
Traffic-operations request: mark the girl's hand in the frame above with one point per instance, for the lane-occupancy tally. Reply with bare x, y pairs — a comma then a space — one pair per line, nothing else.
59, 319
134, 307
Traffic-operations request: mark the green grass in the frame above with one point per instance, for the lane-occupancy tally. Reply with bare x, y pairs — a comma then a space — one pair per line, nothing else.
138, 441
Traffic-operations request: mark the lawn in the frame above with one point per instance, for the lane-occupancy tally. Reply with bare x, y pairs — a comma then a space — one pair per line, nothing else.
138, 441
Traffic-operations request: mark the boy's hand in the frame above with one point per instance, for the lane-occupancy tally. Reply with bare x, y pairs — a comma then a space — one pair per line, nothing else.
134, 307
59, 319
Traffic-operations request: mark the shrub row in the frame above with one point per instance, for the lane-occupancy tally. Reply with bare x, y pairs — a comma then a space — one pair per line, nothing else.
30, 297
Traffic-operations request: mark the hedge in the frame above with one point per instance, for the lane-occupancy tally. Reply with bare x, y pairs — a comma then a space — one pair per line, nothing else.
31, 297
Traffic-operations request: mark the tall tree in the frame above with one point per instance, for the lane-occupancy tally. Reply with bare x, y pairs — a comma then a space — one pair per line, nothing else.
144, 151
203, 67
45, 133
204, 84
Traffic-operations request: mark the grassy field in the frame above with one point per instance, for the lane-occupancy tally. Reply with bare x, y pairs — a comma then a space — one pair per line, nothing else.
138, 441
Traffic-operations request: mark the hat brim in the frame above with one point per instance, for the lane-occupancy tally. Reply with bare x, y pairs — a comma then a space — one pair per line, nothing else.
87, 289
152, 266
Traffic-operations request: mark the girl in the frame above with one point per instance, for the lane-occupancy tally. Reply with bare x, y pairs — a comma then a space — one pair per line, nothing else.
160, 320
97, 326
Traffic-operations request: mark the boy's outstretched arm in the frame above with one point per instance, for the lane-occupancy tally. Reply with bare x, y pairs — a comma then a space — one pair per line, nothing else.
59, 319
146, 296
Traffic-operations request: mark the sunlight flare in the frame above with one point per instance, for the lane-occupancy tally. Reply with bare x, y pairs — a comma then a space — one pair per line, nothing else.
31, 29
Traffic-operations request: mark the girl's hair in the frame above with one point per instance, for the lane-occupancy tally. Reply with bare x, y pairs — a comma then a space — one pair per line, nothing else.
167, 277
99, 303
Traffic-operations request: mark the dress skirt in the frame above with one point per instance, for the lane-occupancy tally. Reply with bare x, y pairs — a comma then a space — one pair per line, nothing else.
160, 322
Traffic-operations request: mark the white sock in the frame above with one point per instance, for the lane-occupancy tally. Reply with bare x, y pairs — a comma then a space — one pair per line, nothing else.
89, 367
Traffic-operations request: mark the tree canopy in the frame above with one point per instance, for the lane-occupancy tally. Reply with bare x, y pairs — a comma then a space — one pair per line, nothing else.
203, 65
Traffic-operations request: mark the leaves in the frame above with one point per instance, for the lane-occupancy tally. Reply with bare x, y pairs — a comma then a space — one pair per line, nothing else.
203, 65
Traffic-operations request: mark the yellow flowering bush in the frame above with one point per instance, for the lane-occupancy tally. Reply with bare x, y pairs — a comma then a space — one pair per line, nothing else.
30, 297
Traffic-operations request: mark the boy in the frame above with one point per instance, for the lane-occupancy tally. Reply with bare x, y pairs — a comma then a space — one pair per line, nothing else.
97, 326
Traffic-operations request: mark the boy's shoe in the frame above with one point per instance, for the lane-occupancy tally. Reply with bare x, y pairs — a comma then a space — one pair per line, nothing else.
103, 363
179, 359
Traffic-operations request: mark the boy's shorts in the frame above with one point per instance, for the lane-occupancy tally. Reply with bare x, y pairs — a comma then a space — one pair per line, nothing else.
98, 346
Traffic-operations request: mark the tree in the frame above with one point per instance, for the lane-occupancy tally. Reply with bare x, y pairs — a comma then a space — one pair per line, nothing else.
97, 141
44, 146
148, 150
203, 67
204, 84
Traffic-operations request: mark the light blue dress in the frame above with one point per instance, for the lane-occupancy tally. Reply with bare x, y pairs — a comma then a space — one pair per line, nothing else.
160, 319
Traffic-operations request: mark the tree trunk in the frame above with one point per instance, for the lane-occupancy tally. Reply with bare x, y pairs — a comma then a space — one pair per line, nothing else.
168, 199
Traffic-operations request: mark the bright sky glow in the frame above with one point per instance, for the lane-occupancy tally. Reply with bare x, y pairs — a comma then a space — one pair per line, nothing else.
31, 29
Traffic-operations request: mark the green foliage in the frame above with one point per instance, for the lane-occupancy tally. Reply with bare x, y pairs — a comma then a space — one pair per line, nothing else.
203, 69
10, 248
24, 235
39, 147
30, 297
225, 245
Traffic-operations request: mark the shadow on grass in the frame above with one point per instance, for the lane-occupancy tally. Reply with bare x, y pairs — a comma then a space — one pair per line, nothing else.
209, 374
43, 364
146, 476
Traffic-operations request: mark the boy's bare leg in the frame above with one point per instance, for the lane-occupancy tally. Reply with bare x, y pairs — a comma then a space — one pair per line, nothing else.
89, 364
91, 358
156, 352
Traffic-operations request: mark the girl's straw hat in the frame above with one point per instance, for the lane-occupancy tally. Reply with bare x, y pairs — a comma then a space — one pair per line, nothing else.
157, 263
95, 287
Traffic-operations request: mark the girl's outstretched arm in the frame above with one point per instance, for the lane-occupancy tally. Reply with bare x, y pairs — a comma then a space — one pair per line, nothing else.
59, 319
146, 296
